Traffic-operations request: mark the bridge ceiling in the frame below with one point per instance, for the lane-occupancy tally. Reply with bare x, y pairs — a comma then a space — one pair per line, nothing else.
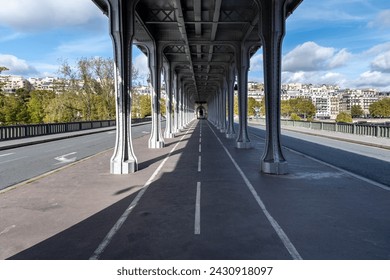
199, 35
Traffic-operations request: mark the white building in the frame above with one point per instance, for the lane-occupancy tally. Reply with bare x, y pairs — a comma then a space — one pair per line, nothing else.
10, 83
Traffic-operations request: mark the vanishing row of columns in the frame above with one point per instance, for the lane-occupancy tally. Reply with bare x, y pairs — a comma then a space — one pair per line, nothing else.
271, 32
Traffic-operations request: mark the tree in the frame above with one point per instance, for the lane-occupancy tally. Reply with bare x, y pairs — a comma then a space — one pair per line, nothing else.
356, 111
36, 106
344, 117
252, 104
145, 106
63, 108
286, 110
295, 117
380, 108
302, 107
13, 110
2, 68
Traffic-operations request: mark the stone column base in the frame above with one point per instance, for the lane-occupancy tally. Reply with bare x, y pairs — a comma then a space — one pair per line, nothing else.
277, 168
169, 135
126, 167
230, 135
243, 145
156, 144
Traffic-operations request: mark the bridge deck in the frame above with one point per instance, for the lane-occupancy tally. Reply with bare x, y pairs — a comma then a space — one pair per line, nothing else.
207, 200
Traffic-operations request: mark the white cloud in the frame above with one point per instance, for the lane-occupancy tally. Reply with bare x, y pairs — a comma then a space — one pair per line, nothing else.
140, 62
10, 37
378, 49
84, 47
312, 57
340, 59
257, 62
374, 79
17, 66
381, 63
314, 78
28, 15
381, 21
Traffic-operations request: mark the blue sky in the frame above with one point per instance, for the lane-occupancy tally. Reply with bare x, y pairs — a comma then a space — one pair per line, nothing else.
344, 42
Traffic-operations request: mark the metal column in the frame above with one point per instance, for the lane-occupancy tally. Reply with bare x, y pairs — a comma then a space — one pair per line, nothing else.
122, 19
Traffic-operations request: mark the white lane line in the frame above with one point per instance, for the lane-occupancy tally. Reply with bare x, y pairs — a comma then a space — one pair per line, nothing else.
200, 164
110, 235
197, 210
280, 232
374, 183
200, 140
200, 148
5, 155
11, 160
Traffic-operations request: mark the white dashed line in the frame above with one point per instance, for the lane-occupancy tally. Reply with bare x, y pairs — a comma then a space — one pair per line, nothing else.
197, 209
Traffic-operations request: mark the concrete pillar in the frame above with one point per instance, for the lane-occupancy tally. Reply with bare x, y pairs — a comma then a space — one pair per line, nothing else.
272, 30
243, 141
176, 102
181, 106
168, 102
230, 133
223, 108
122, 20
156, 140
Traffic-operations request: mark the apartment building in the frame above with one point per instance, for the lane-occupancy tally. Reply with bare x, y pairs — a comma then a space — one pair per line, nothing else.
10, 84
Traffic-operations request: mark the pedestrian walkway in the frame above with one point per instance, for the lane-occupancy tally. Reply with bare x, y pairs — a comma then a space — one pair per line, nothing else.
197, 198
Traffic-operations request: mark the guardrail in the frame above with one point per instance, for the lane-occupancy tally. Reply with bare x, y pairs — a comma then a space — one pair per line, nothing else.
355, 128
31, 130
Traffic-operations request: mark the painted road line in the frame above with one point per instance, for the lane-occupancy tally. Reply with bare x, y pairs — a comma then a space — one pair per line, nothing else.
5, 155
200, 148
371, 182
280, 232
11, 160
200, 164
63, 159
110, 235
197, 210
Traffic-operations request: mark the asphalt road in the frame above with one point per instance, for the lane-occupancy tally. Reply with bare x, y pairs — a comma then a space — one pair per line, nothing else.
369, 162
20, 164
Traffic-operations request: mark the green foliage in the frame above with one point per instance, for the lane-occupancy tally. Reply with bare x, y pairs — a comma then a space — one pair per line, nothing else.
286, 110
163, 107
89, 87
2, 68
252, 104
380, 108
236, 105
13, 110
344, 117
295, 117
302, 107
356, 111
39, 100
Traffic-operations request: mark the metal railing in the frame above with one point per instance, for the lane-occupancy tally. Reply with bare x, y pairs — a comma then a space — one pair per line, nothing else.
355, 128
31, 130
